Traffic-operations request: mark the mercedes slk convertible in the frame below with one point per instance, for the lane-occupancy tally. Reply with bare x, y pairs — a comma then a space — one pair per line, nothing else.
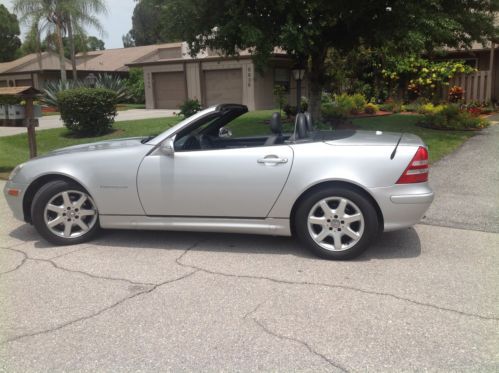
336, 191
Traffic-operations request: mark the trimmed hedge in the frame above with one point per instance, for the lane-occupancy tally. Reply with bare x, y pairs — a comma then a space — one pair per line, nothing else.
88, 111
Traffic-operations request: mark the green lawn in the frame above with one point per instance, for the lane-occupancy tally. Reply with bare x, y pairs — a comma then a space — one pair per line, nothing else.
14, 149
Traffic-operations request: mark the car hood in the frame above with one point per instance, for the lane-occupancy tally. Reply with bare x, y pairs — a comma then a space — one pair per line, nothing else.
101, 145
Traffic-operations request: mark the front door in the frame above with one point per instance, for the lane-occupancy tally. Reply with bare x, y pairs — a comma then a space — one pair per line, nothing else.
243, 182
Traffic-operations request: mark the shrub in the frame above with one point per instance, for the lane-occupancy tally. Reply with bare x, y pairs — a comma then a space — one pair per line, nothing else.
88, 111
189, 107
456, 93
53, 88
289, 110
115, 84
304, 104
430, 109
333, 112
393, 106
371, 108
135, 85
359, 102
451, 117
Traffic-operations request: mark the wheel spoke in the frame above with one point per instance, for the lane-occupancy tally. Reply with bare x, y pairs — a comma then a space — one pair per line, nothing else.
86, 212
67, 228
326, 209
340, 210
57, 209
317, 220
337, 240
82, 225
350, 233
66, 199
55, 222
80, 201
322, 235
352, 218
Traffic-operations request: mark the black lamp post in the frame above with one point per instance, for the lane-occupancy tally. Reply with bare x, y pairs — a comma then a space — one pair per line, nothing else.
298, 75
90, 80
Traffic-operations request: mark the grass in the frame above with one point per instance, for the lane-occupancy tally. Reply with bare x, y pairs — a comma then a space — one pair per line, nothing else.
14, 149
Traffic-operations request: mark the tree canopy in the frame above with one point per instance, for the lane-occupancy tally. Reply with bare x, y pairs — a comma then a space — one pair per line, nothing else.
308, 29
9, 35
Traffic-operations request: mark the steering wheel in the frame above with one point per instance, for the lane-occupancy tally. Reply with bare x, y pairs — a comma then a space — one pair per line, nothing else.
191, 143
205, 141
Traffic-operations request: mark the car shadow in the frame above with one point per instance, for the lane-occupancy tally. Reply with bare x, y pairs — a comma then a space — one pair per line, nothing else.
391, 245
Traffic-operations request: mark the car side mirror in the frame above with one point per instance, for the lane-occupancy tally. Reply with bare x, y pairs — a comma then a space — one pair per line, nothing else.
168, 147
224, 132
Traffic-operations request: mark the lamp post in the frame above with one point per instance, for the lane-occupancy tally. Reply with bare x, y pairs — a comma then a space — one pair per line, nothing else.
298, 75
90, 80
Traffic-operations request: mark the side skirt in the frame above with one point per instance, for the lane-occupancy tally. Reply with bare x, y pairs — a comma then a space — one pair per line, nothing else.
273, 227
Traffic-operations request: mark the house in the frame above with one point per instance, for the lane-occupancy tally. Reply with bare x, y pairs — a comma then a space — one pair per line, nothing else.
171, 76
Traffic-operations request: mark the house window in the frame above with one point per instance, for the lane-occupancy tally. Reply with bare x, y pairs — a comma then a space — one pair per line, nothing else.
282, 77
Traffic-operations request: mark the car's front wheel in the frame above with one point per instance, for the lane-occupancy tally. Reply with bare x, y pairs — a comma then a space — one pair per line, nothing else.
64, 213
336, 223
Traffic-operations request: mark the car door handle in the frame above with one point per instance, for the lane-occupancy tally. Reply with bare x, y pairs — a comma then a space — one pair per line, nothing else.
272, 159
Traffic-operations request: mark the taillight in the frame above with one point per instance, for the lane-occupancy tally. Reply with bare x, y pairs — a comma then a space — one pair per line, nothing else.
417, 171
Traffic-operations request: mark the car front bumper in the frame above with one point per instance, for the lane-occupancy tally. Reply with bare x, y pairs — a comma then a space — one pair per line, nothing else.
15, 202
403, 205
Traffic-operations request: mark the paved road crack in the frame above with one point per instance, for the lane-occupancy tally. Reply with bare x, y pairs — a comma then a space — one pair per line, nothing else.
267, 330
99, 312
23, 261
332, 286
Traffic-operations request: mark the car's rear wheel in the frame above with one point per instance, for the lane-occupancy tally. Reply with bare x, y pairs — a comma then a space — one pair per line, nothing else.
64, 213
336, 222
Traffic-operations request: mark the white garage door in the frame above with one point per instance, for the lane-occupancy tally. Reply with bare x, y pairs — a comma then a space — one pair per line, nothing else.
223, 86
169, 90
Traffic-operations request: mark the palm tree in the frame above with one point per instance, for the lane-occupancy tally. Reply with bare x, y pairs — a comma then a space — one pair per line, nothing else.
78, 15
59, 17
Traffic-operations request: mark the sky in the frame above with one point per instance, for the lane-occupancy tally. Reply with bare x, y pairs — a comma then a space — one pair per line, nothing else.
116, 23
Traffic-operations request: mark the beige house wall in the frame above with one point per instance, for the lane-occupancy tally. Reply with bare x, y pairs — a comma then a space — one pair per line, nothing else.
193, 76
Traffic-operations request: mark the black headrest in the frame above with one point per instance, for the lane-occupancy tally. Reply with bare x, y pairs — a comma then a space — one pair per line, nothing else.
275, 123
310, 123
301, 126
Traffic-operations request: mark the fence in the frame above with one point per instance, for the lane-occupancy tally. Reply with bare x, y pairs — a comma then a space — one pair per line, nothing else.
476, 86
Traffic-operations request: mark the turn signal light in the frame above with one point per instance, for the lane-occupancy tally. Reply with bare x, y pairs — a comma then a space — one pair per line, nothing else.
418, 169
13, 192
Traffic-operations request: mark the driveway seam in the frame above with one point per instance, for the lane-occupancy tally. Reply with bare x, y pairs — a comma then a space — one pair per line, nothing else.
334, 286
458, 228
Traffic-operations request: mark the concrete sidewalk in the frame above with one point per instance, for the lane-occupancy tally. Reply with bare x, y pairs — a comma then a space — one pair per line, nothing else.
54, 121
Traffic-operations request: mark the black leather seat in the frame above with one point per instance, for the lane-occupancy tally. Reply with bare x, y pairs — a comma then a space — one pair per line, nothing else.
310, 123
276, 128
301, 130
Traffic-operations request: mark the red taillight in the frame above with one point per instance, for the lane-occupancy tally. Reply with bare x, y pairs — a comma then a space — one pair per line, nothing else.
417, 171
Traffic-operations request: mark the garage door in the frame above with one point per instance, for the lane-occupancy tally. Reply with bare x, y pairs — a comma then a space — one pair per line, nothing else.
223, 86
169, 90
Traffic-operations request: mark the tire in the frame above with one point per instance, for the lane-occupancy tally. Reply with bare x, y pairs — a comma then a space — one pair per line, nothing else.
61, 204
333, 234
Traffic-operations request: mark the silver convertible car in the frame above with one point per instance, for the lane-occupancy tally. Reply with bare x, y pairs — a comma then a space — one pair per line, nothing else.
334, 190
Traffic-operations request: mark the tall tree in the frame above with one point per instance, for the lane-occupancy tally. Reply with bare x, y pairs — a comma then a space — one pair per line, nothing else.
308, 29
9, 35
128, 41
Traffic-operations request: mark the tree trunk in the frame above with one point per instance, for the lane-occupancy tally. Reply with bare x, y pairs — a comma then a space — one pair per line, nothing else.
72, 47
316, 79
60, 46
38, 46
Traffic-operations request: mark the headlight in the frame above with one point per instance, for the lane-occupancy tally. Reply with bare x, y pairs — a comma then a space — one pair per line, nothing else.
15, 171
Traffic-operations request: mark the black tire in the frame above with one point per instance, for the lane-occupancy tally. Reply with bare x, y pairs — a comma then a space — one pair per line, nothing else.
370, 223
43, 196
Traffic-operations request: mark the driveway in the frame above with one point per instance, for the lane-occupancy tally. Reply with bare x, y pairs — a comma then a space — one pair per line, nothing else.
423, 298
54, 121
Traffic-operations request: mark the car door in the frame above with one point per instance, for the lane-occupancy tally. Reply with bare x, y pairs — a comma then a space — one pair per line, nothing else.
242, 182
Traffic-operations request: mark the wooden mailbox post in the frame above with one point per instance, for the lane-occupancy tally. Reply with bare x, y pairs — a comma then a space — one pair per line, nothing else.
28, 94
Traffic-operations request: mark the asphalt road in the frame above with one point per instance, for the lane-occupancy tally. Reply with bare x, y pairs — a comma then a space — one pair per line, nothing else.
424, 298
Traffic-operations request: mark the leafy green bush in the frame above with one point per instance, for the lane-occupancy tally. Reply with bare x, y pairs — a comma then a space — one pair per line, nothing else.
189, 107
115, 84
451, 117
371, 108
333, 112
88, 111
359, 102
430, 109
393, 106
53, 88
135, 85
